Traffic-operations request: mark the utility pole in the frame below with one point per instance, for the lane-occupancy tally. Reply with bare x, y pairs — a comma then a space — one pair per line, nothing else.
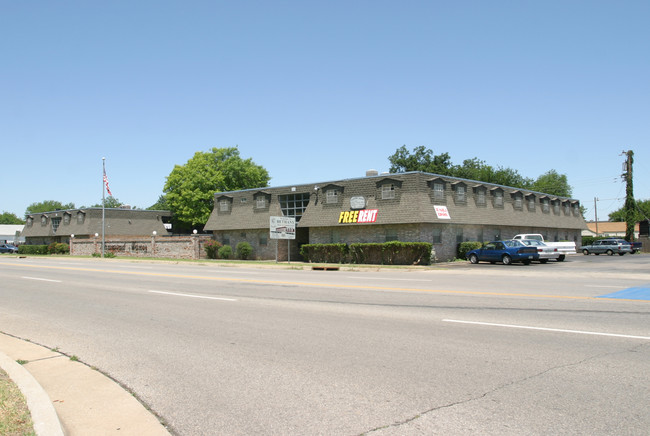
630, 209
596, 213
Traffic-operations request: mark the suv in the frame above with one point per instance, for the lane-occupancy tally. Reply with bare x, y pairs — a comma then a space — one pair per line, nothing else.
608, 246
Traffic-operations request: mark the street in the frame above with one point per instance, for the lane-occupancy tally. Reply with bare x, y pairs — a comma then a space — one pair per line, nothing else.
470, 349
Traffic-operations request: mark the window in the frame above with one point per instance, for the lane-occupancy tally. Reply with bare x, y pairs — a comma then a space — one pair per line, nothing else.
56, 222
81, 217
260, 202
43, 220
332, 196
391, 235
438, 190
243, 200
460, 193
459, 234
480, 197
545, 206
556, 207
387, 191
437, 235
226, 240
66, 218
263, 239
224, 205
519, 202
567, 209
30, 221
531, 203
498, 198
294, 205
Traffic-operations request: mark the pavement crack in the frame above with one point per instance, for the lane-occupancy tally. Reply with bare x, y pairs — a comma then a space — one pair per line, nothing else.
419, 415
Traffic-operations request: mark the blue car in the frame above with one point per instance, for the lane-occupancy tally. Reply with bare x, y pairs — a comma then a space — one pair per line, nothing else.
503, 251
8, 248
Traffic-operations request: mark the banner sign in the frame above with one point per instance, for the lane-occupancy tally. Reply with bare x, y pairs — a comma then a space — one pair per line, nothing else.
283, 227
358, 216
442, 212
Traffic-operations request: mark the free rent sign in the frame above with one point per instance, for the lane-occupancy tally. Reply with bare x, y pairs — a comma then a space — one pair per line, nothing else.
283, 227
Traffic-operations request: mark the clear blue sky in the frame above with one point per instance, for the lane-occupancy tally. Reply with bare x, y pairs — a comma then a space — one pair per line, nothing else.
318, 91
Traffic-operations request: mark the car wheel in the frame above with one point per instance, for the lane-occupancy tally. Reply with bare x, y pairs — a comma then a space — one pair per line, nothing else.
610, 252
543, 260
585, 252
562, 257
473, 258
507, 260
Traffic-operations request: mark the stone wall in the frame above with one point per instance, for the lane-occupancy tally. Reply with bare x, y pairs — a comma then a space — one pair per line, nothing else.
174, 247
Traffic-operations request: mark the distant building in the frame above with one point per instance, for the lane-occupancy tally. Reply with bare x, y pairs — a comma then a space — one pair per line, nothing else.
59, 225
11, 233
408, 207
609, 229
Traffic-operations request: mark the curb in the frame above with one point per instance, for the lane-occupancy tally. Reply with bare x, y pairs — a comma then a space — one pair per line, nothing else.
46, 421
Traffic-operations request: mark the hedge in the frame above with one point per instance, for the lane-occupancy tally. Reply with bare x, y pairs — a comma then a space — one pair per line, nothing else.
388, 253
325, 253
33, 249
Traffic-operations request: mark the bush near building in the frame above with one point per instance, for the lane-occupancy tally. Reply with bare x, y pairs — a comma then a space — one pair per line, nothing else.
211, 248
243, 250
225, 252
387, 253
465, 247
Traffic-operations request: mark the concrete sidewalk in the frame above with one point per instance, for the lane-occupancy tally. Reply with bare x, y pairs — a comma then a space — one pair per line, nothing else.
68, 397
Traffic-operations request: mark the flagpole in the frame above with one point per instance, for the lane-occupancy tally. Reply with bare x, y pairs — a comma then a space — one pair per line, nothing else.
103, 205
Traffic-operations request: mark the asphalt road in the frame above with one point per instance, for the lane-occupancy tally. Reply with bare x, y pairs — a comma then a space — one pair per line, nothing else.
472, 349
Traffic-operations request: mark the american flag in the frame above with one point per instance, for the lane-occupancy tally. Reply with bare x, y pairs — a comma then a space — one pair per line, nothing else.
106, 183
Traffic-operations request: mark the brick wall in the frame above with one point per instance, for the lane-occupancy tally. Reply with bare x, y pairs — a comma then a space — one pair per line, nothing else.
174, 247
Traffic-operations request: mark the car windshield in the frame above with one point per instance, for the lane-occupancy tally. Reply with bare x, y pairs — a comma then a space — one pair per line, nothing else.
513, 243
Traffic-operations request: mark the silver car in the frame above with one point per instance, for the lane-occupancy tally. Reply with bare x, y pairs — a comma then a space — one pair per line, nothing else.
545, 252
607, 246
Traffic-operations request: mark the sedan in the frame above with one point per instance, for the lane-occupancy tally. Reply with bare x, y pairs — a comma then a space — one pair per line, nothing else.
8, 248
506, 252
545, 252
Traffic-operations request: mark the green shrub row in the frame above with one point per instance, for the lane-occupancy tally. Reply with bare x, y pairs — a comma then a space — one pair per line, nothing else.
214, 250
53, 248
387, 253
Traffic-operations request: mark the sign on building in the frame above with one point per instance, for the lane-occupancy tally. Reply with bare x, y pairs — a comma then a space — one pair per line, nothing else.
283, 227
442, 212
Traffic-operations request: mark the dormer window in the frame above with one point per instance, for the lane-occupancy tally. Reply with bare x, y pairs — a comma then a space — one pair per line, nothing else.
66, 218
545, 205
43, 220
388, 191
224, 205
461, 193
480, 197
260, 202
81, 217
332, 196
498, 197
531, 203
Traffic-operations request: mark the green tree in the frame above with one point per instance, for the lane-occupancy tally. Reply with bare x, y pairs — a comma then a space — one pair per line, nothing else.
161, 204
110, 202
47, 206
551, 182
10, 218
642, 208
422, 159
190, 188
476, 169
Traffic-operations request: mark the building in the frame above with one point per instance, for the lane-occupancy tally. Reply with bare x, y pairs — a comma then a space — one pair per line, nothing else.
58, 226
408, 207
613, 229
11, 233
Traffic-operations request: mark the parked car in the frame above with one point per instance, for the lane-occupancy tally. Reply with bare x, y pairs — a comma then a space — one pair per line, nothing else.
8, 248
607, 246
503, 251
564, 247
544, 251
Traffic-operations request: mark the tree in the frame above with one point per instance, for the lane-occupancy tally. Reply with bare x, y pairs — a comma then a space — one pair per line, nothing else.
10, 218
47, 206
190, 188
475, 169
161, 204
110, 202
553, 183
422, 159
642, 208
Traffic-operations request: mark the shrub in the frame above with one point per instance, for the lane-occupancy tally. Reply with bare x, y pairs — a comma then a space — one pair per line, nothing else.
107, 254
211, 248
243, 250
225, 252
465, 247
392, 253
32, 249
326, 253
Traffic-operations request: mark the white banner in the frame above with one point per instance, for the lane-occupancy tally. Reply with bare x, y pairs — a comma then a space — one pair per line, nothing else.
442, 212
283, 227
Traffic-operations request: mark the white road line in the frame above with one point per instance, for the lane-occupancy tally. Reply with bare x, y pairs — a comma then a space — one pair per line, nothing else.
42, 280
602, 286
192, 296
647, 338
388, 280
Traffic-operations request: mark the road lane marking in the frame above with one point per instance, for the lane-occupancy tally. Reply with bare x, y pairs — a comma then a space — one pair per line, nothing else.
42, 280
178, 294
311, 284
387, 279
581, 332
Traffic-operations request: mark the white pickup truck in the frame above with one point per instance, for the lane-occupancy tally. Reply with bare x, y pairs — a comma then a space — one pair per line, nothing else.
564, 248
